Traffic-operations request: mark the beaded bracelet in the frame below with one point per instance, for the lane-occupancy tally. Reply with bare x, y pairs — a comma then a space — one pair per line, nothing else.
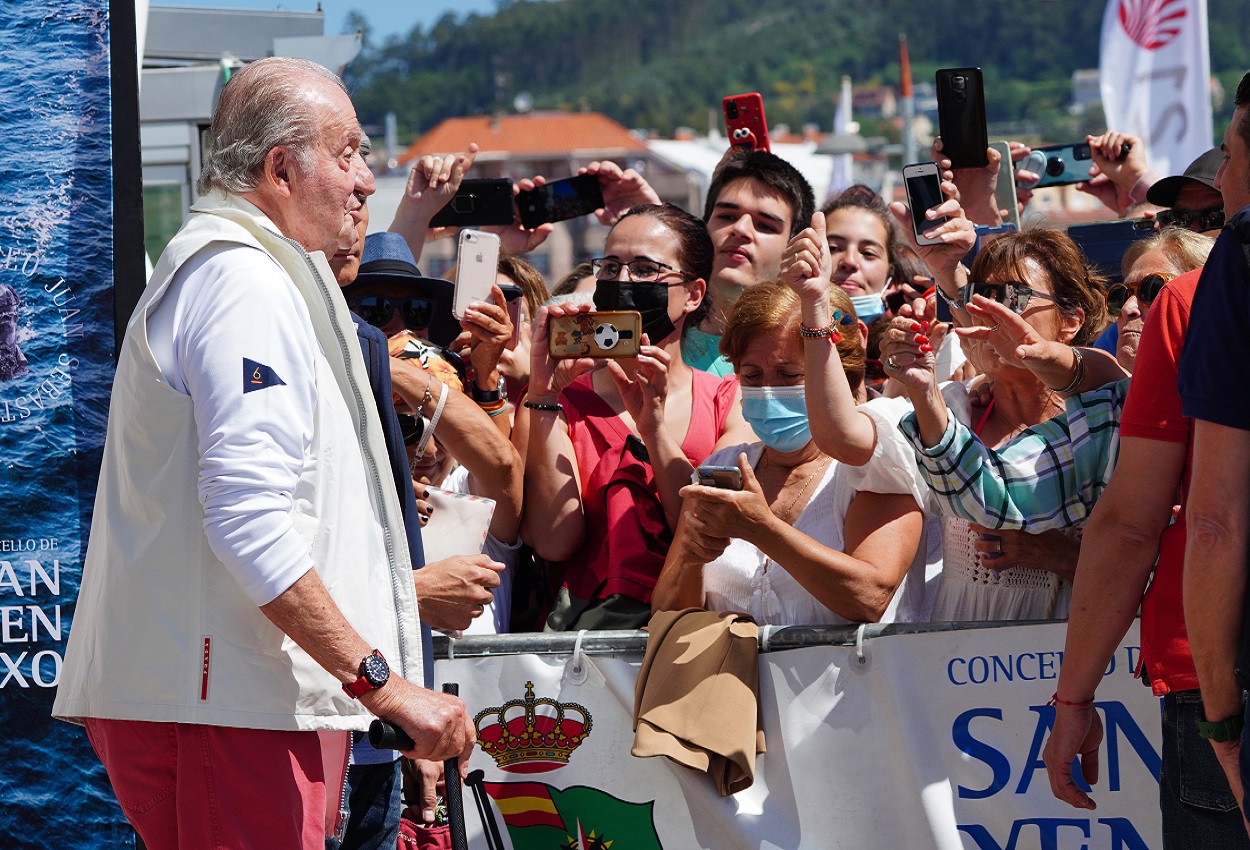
538, 405
1054, 700
820, 333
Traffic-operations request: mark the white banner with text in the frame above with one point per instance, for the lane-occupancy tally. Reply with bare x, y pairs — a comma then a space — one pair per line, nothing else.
931, 740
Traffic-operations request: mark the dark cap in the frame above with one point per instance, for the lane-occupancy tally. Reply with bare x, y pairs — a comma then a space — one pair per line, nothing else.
387, 259
1201, 171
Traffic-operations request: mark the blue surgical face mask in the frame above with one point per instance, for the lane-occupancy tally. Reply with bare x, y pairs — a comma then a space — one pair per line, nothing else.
778, 415
868, 307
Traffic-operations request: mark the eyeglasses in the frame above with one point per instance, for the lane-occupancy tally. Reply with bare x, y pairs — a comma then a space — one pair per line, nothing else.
1147, 290
1211, 218
638, 271
378, 309
1011, 294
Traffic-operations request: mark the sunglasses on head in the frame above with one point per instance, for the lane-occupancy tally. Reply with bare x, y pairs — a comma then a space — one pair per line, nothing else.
1210, 218
1011, 294
1147, 290
378, 309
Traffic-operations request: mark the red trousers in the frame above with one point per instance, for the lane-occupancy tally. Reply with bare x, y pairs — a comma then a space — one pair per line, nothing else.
193, 787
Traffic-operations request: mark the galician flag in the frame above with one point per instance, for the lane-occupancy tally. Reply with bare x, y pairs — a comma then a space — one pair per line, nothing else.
1154, 67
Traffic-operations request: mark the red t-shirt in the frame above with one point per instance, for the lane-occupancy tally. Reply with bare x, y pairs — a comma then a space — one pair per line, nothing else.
627, 535
1153, 411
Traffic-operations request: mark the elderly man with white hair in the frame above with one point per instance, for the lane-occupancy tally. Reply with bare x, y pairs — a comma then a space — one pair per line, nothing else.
247, 597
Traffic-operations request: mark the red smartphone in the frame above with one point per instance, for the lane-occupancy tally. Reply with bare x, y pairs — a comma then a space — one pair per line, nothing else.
744, 121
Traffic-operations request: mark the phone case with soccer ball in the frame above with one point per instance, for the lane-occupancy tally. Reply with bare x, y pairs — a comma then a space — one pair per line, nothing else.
611, 333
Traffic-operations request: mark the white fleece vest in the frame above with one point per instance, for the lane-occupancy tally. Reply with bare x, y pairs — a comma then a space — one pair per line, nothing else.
162, 630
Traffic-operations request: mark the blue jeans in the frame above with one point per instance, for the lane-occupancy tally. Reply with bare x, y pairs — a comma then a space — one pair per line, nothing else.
1199, 810
375, 800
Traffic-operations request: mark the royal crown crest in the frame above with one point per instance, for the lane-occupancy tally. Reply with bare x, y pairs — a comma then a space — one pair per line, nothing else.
532, 735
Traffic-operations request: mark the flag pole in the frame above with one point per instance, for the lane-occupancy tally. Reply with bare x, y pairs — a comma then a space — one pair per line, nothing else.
909, 101
494, 841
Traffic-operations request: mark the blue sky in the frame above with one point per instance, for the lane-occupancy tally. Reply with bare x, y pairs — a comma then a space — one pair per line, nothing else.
385, 17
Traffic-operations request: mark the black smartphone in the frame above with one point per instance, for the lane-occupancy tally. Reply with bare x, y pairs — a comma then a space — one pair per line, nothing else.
961, 117
1104, 242
1063, 165
514, 296
479, 202
724, 477
923, 184
560, 200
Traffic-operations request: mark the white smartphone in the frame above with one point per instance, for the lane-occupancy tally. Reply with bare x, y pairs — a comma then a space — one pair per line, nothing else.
923, 183
477, 261
1005, 189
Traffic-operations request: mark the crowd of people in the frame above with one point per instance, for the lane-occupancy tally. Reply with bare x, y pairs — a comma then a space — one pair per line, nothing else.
873, 462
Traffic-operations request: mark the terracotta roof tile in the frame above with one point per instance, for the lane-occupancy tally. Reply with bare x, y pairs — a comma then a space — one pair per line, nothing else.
528, 135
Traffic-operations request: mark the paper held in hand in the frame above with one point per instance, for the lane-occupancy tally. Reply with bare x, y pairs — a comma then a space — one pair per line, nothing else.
458, 524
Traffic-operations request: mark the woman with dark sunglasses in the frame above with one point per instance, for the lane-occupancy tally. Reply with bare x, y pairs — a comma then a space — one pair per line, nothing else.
1040, 276
1148, 265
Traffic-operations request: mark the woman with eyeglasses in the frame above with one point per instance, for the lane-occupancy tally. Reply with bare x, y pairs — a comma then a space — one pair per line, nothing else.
1040, 276
609, 448
1148, 265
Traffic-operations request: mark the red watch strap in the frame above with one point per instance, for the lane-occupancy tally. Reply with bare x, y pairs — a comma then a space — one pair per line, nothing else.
358, 688
362, 685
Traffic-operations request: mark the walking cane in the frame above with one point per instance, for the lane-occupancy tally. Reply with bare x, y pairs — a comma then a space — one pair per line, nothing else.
454, 790
388, 736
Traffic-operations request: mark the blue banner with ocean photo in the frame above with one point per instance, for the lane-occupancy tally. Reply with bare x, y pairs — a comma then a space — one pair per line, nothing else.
56, 370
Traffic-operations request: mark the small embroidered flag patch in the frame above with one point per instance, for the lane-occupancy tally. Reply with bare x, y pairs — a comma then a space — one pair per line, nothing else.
257, 376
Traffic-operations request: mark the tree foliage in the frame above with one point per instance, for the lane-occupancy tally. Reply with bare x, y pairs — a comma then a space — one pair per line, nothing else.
659, 64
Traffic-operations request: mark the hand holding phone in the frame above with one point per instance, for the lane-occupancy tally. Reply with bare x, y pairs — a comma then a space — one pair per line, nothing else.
559, 200
477, 263
607, 333
478, 203
1005, 187
923, 183
724, 477
1059, 165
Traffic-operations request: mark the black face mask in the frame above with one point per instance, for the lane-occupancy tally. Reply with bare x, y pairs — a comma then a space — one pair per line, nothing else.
650, 299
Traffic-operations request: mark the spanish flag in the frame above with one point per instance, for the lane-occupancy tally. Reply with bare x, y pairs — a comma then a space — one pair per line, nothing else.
524, 804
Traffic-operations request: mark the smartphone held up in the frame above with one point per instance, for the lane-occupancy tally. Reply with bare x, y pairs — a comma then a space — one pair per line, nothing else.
923, 183
961, 117
607, 333
477, 263
744, 121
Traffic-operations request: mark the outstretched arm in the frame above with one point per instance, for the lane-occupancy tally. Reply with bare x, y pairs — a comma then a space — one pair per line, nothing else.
837, 427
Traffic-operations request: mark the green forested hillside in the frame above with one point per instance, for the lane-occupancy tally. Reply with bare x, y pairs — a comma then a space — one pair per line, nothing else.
658, 64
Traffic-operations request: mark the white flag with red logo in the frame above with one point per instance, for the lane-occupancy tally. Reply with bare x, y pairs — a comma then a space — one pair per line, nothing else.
1154, 69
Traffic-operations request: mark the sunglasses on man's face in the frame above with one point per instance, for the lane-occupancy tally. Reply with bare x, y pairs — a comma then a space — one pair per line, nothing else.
1011, 294
378, 309
1211, 218
1146, 290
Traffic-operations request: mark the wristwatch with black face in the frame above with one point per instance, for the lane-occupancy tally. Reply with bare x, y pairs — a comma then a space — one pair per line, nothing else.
1223, 731
374, 673
481, 396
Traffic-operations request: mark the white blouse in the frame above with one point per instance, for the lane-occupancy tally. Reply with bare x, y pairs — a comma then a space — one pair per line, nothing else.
744, 579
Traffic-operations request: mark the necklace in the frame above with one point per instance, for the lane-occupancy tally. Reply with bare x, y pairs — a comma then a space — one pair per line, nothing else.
786, 516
